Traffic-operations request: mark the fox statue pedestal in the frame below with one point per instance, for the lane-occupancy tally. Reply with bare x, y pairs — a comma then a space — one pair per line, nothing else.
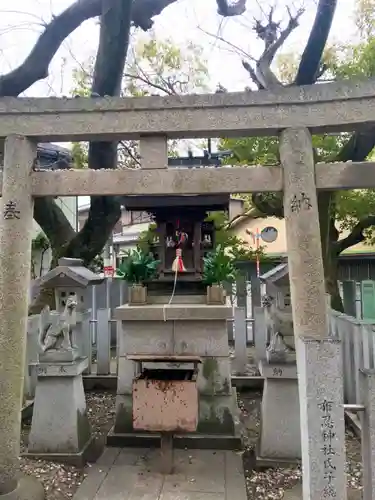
60, 430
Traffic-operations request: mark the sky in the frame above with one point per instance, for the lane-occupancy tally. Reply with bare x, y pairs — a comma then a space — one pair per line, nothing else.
185, 20
21, 22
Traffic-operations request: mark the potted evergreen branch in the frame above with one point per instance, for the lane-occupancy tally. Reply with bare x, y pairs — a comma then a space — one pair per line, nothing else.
218, 268
137, 267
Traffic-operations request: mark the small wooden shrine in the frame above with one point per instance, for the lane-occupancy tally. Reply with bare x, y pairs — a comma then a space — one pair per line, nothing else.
182, 236
175, 326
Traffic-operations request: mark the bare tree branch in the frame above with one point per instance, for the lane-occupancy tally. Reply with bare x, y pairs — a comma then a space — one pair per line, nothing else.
228, 10
35, 66
148, 82
323, 68
130, 153
310, 63
252, 74
270, 204
230, 44
358, 147
357, 234
145, 10
109, 67
267, 33
273, 43
50, 216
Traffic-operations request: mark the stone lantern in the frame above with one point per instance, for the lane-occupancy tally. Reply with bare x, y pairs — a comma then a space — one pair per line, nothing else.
60, 429
68, 278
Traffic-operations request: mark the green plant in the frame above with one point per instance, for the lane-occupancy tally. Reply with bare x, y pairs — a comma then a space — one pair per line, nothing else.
218, 267
39, 246
137, 266
147, 237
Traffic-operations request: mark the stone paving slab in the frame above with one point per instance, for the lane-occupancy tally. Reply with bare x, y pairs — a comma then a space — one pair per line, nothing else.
133, 474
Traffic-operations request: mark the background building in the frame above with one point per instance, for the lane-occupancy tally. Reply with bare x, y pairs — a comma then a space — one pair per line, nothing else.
52, 156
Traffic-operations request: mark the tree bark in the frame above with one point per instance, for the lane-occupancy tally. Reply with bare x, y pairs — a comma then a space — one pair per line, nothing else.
114, 39
329, 236
105, 211
310, 63
356, 149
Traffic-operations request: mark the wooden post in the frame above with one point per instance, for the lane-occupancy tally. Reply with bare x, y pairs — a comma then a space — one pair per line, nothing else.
166, 449
240, 338
319, 360
16, 230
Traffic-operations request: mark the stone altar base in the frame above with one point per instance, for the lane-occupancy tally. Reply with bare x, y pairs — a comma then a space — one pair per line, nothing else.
218, 426
280, 437
176, 330
60, 430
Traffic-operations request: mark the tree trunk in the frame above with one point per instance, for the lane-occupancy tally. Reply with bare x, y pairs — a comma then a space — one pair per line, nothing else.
329, 236
332, 285
104, 211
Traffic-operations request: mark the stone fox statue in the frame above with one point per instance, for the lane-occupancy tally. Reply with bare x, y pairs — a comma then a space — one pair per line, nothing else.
278, 321
57, 335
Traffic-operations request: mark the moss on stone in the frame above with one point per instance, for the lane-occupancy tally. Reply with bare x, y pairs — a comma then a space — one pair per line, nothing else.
226, 387
215, 384
210, 368
124, 419
83, 429
217, 420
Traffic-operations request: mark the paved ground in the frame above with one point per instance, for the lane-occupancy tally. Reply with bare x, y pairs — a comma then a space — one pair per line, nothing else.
132, 474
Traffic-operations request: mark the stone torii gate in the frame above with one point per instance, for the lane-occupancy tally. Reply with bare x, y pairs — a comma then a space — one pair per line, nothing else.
290, 113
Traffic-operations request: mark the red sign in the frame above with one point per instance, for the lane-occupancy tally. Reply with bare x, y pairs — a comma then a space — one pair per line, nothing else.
108, 271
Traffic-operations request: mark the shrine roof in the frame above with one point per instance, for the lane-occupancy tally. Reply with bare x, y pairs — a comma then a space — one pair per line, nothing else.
70, 273
208, 202
278, 274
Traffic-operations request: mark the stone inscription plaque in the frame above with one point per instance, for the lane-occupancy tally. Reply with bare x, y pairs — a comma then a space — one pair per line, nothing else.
328, 449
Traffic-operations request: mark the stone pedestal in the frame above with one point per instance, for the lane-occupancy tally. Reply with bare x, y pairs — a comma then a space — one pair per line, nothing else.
280, 438
60, 429
58, 356
179, 329
322, 418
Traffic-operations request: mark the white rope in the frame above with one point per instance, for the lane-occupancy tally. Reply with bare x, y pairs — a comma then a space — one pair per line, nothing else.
171, 298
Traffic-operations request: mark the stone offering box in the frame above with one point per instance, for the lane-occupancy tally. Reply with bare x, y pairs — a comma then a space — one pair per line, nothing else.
165, 400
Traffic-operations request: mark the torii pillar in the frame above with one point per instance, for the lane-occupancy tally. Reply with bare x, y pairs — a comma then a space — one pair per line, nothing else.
16, 230
319, 359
